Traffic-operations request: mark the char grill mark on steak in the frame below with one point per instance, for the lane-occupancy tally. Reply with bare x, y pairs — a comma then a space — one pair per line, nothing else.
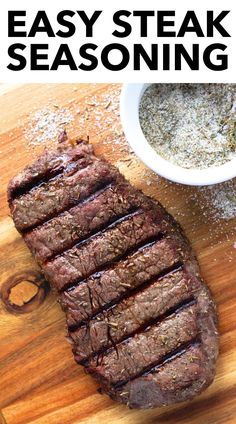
77, 242
102, 250
57, 196
155, 302
130, 292
146, 349
102, 290
112, 345
76, 224
168, 382
171, 356
109, 265
50, 164
52, 176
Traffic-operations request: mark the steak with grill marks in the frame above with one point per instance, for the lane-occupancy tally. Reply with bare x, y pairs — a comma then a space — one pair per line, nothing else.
111, 284
130, 314
140, 318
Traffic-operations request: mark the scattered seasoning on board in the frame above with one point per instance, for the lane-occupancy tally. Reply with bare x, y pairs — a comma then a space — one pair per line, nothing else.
222, 198
47, 124
191, 125
99, 118
206, 213
96, 116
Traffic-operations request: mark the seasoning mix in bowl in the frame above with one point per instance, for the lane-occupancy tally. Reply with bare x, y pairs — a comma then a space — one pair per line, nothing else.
183, 132
191, 125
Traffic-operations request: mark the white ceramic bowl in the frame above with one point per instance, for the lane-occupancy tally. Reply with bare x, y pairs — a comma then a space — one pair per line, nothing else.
129, 109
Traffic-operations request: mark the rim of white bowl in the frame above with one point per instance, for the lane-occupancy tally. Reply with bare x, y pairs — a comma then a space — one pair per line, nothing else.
129, 111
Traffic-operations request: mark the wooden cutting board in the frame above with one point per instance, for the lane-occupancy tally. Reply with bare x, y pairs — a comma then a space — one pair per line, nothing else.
39, 381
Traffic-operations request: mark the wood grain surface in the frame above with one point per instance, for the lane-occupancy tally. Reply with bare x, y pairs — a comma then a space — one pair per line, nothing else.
39, 381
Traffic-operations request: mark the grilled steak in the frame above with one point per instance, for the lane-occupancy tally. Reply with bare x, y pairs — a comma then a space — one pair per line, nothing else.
140, 318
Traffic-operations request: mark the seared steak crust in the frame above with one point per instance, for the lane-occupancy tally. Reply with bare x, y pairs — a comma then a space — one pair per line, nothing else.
109, 286
78, 222
130, 314
146, 348
139, 316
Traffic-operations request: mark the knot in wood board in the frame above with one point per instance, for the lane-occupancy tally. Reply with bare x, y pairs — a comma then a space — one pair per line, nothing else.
24, 292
